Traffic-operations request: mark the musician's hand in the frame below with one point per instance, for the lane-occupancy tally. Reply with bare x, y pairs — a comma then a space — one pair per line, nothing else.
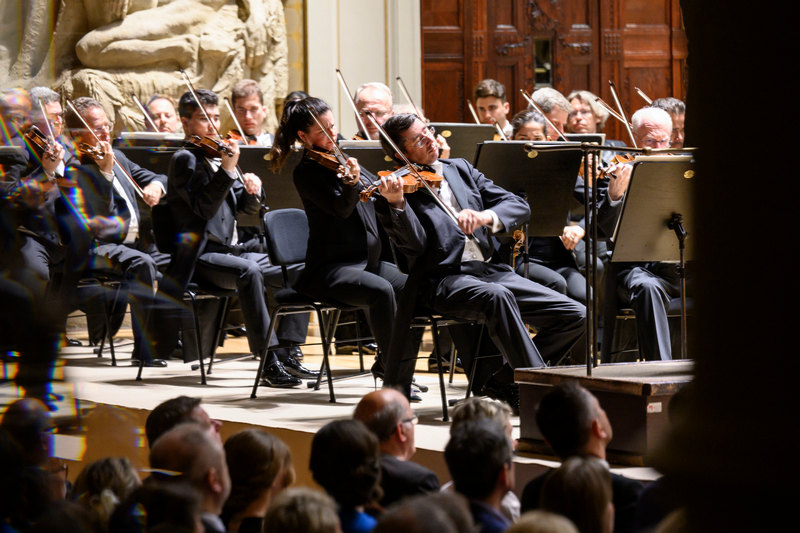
229, 162
617, 186
152, 193
469, 220
391, 188
252, 184
48, 164
353, 171
107, 163
571, 236
443, 146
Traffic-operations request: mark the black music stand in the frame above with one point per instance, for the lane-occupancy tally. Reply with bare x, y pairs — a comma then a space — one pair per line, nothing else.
545, 178
369, 154
598, 138
149, 139
657, 215
463, 138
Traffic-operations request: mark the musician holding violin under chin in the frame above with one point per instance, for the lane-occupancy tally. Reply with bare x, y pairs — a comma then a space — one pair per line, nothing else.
206, 191
446, 242
344, 246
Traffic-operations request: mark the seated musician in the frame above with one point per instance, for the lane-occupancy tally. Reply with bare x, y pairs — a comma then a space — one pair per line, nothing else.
107, 182
555, 107
162, 110
343, 261
491, 104
376, 98
250, 111
647, 287
204, 197
677, 112
451, 257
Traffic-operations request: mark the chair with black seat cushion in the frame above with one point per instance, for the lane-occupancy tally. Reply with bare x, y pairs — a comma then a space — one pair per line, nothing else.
286, 233
186, 249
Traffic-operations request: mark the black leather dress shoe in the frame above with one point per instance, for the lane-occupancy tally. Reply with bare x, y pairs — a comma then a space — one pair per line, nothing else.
237, 332
296, 352
73, 342
294, 368
275, 375
505, 392
369, 348
154, 363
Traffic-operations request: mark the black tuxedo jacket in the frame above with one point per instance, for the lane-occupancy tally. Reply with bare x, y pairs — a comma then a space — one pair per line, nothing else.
404, 478
425, 236
342, 229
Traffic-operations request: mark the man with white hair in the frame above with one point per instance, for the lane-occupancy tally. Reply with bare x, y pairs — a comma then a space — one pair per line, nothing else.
648, 287
375, 98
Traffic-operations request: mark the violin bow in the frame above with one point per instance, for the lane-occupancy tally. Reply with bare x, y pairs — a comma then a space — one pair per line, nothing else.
114, 159
235, 120
351, 101
608, 108
340, 156
534, 105
453, 216
146, 114
50, 133
644, 96
622, 112
474, 114
408, 97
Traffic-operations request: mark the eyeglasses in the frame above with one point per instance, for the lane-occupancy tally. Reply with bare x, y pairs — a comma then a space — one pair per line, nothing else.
107, 128
412, 419
428, 133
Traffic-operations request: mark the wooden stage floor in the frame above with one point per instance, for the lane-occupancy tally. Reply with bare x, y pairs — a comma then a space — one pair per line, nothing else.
113, 406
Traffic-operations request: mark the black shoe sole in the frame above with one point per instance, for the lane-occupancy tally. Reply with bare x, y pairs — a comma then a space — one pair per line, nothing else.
267, 383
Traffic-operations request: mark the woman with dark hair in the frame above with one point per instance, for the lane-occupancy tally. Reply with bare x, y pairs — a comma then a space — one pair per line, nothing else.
580, 489
345, 462
103, 484
343, 261
260, 466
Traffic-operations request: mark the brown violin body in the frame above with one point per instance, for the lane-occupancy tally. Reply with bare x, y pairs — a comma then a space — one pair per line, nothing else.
412, 180
616, 161
210, 147
39, 142
234, 135
95, 152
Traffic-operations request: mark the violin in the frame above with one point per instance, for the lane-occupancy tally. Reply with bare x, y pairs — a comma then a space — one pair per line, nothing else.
210, 147
247, 140
95, 152
411, 180
616, 161
40, 143
329, 161
519, 240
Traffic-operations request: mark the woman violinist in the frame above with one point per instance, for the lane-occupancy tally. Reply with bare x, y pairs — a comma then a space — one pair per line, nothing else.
343, 260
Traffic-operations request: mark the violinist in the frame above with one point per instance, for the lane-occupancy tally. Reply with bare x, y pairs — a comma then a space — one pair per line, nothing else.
491, 104
343, 261
555, 107
250, 111
376, 98
677, 112
455, 270
647, 287
108, 183
161, 109
205, 196
588, 116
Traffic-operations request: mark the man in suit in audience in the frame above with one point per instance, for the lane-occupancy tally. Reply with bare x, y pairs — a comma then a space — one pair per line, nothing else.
387, 413
480, 458
573, 423
204, 196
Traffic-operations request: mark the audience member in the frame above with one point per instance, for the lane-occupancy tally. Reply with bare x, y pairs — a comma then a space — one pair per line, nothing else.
68, 517
481, 408
441, 511
302, 510
580, 489
159, 508
260, 466
345, 462
480, 457
103, 484
188, 454
174, 411
387, 413
543, 522
573, 424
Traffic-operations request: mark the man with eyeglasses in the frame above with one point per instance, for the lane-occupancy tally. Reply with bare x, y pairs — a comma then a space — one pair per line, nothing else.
373, 98
387, 413
446, 244
107, 181
647, 287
